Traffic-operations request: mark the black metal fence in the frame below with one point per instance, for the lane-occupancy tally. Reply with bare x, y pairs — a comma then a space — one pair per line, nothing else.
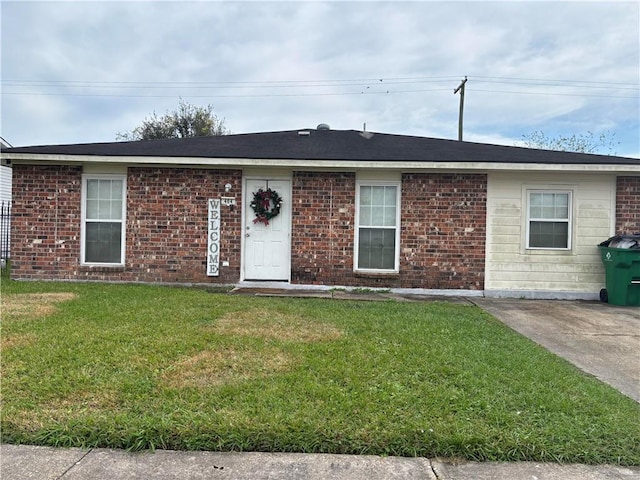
5, 231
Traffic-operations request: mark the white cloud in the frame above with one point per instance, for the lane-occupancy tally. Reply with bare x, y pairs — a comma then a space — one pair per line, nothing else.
243, 46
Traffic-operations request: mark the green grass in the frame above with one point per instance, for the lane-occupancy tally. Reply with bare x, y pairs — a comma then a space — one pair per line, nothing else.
5, 271
137, 367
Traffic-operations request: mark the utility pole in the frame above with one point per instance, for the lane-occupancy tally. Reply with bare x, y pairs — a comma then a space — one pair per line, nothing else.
460, 89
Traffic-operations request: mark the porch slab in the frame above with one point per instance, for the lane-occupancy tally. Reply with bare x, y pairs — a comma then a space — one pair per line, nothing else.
346, 294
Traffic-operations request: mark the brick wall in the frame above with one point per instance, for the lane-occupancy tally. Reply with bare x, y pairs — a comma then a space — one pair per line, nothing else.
627, 205
166, 225
443, 231
322, 228
45, 228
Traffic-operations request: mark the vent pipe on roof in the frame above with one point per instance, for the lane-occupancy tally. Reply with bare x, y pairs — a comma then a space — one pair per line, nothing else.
323, 126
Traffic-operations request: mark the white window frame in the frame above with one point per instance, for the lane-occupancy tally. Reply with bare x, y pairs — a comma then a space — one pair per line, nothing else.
371, 183
123, 218
568, 221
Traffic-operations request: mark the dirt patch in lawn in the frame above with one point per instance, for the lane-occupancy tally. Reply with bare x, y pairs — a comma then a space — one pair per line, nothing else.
16, 341
224, 366
267, 324
75, 407
32, 305
85, 401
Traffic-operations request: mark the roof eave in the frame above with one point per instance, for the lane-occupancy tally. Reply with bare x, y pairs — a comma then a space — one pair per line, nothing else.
413, 165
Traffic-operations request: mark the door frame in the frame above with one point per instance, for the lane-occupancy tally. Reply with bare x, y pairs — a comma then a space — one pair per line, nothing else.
266, 175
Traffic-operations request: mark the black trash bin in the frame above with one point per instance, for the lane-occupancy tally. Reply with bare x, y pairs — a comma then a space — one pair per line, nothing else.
621, 258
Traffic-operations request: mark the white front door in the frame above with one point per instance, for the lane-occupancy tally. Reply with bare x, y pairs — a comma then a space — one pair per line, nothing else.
267, 247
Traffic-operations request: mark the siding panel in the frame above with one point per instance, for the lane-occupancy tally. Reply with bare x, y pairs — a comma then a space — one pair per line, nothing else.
5, 184
510, 266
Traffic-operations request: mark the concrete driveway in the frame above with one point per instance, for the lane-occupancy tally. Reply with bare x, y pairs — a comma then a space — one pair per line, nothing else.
598, 338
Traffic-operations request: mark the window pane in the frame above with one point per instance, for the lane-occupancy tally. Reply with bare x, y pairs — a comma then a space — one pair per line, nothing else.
365, 195
377, 216
377, 196
103, 242
378, 206
104, 209
116, 189
562, 205
92, 209
561, 212
104, 199
535, 212
548, 212
105, 190
562, 199
549, 234
549, 206
536, 199
376, 248
390, 196
116, 210
389, 216
365, 215
92, 188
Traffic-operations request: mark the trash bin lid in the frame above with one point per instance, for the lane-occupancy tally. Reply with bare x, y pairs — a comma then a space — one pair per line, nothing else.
622, 241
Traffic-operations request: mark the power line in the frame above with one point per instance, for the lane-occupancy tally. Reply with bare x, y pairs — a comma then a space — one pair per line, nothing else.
308, 94
202, 87
556, 81
315, 83
321, 94
515, 92
300, 88
224, 84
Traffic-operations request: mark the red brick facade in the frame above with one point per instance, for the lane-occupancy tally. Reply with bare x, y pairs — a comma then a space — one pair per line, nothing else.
45, 227
443, 230
323, 213
627, 205
166, 230
442, 238
167, 224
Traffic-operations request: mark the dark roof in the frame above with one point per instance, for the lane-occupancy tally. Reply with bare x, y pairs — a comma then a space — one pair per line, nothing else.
326, 145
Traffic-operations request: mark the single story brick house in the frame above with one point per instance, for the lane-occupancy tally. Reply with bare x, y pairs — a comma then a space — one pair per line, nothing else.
357, 209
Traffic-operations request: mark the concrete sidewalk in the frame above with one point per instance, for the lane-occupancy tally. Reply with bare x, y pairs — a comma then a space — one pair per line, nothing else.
22, 462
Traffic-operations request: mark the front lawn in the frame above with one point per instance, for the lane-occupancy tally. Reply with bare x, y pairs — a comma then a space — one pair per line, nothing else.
128, 366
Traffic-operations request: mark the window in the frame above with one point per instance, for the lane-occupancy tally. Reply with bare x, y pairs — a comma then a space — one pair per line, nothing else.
103, 213
549, 220
378, 227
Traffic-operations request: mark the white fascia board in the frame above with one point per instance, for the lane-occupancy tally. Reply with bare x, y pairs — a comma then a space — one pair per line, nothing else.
18, 158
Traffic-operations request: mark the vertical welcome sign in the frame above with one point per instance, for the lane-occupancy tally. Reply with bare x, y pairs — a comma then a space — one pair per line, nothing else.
213, 243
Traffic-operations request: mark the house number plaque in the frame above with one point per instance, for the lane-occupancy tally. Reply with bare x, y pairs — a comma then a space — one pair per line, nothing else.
213, 243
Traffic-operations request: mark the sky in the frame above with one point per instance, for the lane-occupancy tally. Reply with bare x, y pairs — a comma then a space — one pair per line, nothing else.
79, 72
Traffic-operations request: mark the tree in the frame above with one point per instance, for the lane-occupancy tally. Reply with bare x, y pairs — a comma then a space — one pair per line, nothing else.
186, 121
582, 143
